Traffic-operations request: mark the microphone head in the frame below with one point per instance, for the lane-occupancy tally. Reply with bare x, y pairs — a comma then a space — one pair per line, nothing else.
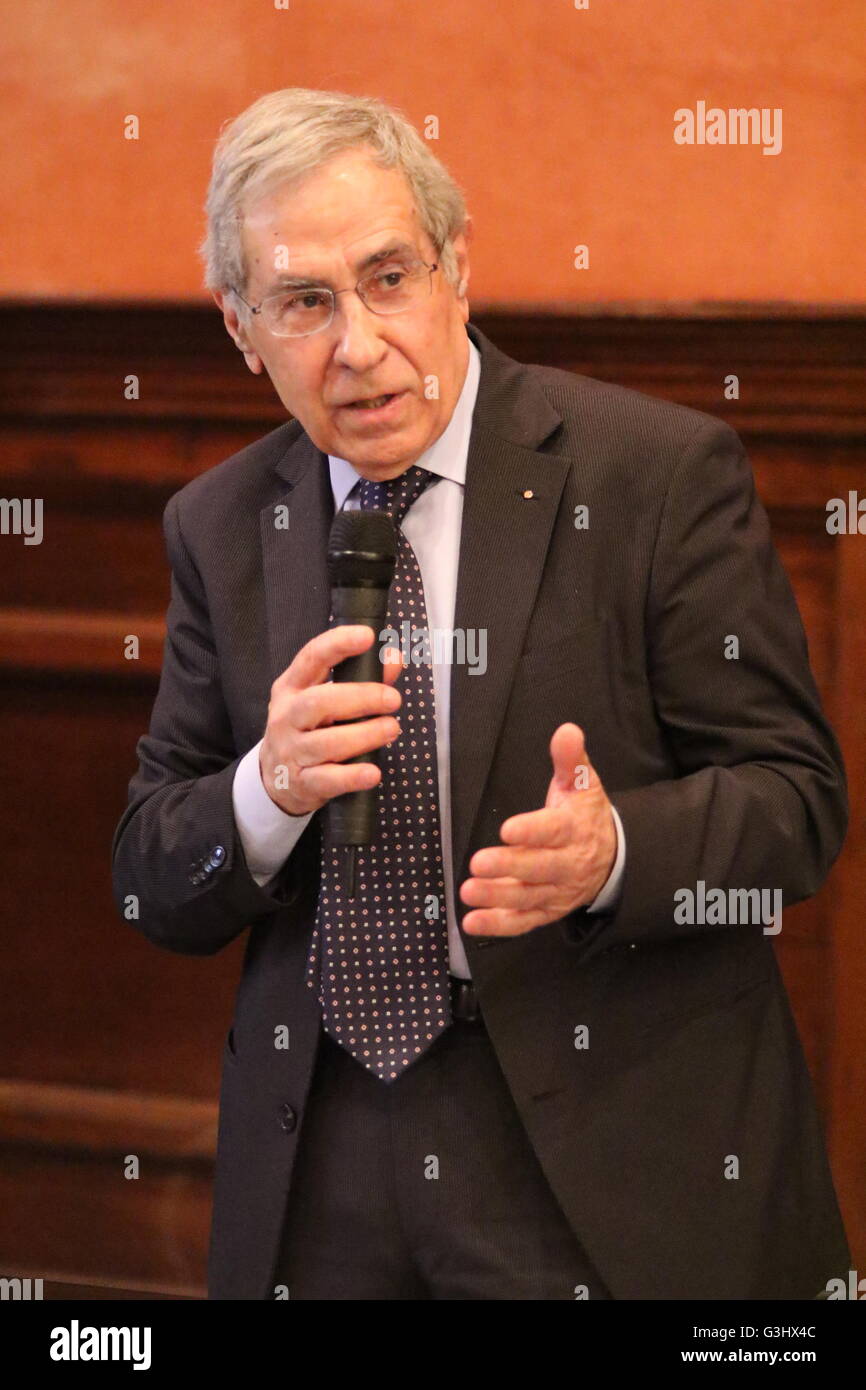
362, 549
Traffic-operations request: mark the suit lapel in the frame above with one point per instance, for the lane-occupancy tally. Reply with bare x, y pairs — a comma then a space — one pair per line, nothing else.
504, 541
294, 557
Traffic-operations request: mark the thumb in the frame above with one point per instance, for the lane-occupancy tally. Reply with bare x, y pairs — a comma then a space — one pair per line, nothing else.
571, 765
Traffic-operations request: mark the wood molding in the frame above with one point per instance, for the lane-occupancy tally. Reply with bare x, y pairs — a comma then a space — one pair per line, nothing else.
802, 369
66, 1287
100, 1122
39, 639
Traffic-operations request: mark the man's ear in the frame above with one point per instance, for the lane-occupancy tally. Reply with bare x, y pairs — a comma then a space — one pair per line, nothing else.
237, 330
461, 253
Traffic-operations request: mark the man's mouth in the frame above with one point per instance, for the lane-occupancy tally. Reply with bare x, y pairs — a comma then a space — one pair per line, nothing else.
373, 402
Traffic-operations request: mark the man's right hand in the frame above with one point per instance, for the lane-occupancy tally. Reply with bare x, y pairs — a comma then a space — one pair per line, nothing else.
303, 752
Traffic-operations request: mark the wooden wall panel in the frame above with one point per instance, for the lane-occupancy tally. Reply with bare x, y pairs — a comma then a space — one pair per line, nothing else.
87, 1000
95, 1019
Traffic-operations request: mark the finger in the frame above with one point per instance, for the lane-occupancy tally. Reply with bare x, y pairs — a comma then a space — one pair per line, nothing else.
567, 751
503, 922
552, 827
392, 665
529, 865
326, 780
342, 700
337, 743
316, 658
508, 892
572, 769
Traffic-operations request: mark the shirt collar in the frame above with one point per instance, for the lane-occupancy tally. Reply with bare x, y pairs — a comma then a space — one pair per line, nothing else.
446, 456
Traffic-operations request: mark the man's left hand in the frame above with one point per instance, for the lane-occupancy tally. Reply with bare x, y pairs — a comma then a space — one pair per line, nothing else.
551, 861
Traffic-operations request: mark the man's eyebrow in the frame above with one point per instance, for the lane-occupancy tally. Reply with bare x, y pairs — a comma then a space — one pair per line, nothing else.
300, 282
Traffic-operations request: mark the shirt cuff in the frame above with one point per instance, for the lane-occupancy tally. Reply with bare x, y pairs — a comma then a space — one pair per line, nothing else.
606, 898
268, 834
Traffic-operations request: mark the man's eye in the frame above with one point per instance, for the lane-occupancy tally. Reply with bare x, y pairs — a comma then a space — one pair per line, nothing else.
310, 299
390, 279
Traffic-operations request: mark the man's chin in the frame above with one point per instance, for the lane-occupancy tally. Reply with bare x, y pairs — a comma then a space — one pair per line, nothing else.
395, 452
382, 473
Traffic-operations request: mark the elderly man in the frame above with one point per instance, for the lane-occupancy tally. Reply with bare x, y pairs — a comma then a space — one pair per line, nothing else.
560, 1085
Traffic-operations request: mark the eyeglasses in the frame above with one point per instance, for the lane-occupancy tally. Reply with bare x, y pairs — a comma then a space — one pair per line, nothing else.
390, 289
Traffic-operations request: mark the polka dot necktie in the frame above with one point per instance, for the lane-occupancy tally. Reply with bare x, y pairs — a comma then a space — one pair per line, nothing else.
380, 960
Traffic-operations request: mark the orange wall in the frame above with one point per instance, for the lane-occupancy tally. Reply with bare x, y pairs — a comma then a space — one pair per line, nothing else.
557, 122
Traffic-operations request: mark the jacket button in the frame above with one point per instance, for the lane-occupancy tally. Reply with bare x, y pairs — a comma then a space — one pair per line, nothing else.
288, 1118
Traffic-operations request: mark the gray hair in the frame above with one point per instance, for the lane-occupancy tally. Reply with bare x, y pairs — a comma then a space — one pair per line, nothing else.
287, 134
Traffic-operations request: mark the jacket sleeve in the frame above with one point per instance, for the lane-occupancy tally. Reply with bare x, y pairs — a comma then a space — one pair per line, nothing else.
179, 873
760, 799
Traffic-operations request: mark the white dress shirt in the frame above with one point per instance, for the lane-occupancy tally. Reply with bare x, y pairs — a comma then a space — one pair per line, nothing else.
432, 527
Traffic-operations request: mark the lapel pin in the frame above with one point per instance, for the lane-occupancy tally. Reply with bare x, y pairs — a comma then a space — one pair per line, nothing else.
528, 493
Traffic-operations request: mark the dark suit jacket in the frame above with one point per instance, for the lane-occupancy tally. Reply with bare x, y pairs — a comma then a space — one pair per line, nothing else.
722, 770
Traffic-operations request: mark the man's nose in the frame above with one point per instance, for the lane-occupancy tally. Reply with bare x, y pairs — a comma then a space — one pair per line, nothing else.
359, 345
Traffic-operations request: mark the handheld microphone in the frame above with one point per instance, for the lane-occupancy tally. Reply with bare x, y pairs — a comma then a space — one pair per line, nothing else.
362, 556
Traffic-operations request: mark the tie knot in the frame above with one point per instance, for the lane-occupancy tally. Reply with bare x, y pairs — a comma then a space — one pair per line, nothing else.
397, 494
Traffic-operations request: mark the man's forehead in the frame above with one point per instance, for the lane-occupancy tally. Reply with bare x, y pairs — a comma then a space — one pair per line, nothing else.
305, 263
281, 245
330, 199
290, 245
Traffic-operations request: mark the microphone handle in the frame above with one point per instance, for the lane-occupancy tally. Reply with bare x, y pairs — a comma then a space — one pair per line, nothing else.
352, 817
